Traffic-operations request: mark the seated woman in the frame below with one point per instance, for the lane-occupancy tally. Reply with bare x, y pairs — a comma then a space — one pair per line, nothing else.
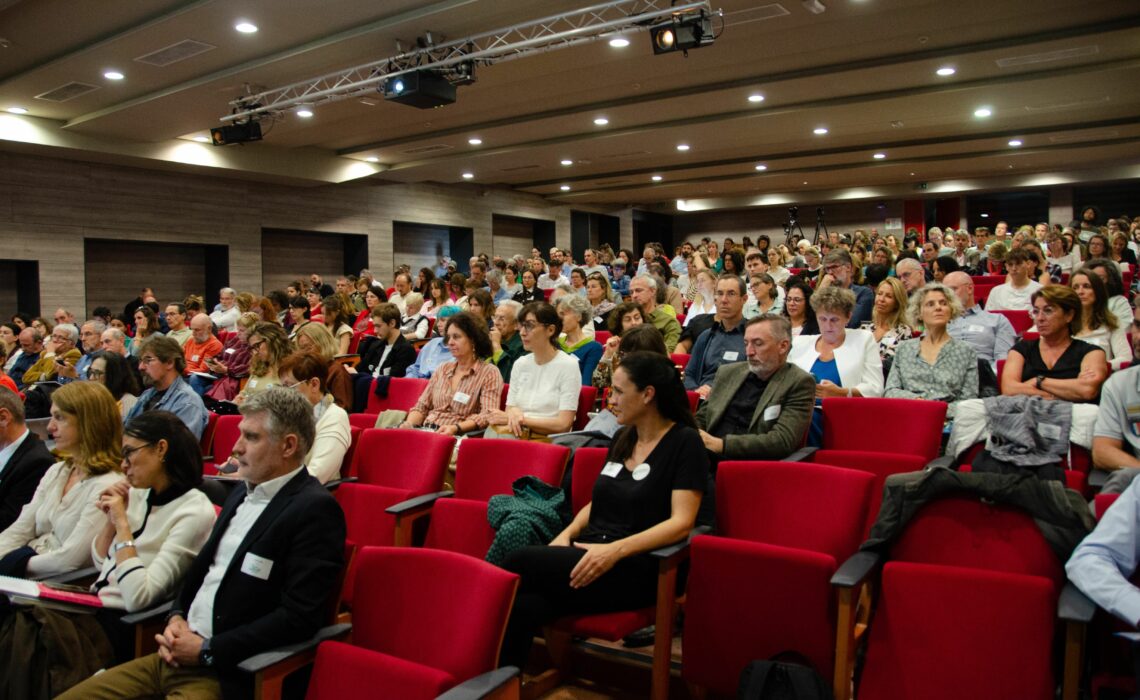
231, 365
479, 303
298, 313
316, 311
338, 319
268, 345
765, 296
888, 319
935, 366
1060, 253
944, 265
146, 325
510, 284
529, 291
415, 324
777, 265
1055, 365
624, 316
112, 371
1122, 255
598, 293
703, 301
644, 337
647, 497
1046, 272
306, 372
575, 314
845, 362
372, 297
1100, 326
1114, 283
798, 309
314, 337
543, 398
462, 393
52, 534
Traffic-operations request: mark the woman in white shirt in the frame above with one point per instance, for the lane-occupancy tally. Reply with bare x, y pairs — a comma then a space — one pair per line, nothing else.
1099, 325
52, 534
1056, 254
703, 301
543, 398
306, 372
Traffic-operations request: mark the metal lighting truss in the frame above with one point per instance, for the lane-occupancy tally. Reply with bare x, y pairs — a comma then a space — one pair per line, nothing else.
456, 59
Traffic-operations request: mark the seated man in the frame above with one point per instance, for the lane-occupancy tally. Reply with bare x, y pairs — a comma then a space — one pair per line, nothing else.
60, 350
24, 459
990, 335
1015, 294
721, 344
839, 269
176, 323
643, 291
1115, 445
759, 409
162, 363
506, 343
264, 577
431, 356
1105, 560
201, 346
387, 354
225, 316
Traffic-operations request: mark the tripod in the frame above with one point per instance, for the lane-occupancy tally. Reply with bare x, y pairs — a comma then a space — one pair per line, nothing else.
791, 224
820, 227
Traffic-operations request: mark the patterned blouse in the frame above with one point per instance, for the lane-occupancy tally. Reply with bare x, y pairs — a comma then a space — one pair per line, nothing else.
478, 393
888, 344
952, 377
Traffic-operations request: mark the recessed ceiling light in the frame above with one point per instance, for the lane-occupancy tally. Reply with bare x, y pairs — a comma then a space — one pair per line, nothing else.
567, 161
246, 27
619, 42
372, 159
202, 139
601, 121
945, 71
983, 112
468, 176
879, 156
1015, 142
113, 75
761, 167
805, 182
820, 130
985, 216
475, 141
756, 98
304, 111
565, 188
682, 147
657, 178
18, 110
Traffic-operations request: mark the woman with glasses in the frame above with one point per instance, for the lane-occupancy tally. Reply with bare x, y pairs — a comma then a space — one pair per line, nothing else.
529, 291
463, 393
268, 345
797, 308
765, 296
1055, 365
575, 340
114, 372
307, 372
543, 398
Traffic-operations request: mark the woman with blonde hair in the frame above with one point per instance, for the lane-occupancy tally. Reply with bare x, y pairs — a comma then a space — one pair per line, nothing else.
53, 533
936, 366
268, 345
888, 319
314, 337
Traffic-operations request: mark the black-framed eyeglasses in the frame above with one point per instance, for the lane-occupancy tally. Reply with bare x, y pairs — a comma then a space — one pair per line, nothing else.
96, 374
129, 452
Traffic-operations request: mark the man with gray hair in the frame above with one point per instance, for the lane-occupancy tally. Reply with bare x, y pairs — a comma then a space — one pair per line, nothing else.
31, 347
910, 273
90, 334
226, 315
590, 257
506, 343
162, 364
58, 351
23, 458
264, 577
643, 290
839, 270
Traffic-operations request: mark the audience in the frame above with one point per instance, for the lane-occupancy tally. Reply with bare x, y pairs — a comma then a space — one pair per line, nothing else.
575, 340
936, 366
721, 344
889, 319
162, 363
58, 351
201, 347
114, 372
230, 366
24, 459
839, 271
314, 337
506, 342
990, 335
798, 310
1110, 275
1016, 294
643, 291
1100, 326
306, 372
89, 338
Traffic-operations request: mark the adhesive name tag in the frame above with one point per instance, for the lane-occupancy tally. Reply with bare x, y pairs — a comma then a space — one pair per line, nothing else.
640, 471
975, 328
462, 398
257, 567
772, 412
598, 320
731, 355
612, 469
194, 358
230, 350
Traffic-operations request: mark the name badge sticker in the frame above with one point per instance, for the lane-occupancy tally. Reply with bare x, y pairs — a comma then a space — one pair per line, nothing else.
641, 471
772, 412
731, 355
257, 567
230, 351
975, 328
462, 398
611, 469
194, 358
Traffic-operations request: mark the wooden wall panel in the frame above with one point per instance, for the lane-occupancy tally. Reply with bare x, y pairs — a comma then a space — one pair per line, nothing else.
512, 237
7, 290
290, 255
418, 245
116, 271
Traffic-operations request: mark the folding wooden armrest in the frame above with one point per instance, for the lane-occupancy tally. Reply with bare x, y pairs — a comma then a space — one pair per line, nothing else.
158, 611
408, 512
500, 684
1097, 477
79, 576
332, 485
146, 624
271, 667
849, 579
1077, 611
945, 461
803, 454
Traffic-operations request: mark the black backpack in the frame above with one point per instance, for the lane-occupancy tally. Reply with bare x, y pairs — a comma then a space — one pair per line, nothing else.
778, 680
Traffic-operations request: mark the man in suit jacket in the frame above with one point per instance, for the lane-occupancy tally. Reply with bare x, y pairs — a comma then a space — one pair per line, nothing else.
264, 578
759, 409
23, 458
389, 354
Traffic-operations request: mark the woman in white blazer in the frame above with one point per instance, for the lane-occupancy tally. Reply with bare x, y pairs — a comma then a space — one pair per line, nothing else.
306, 372
844, 361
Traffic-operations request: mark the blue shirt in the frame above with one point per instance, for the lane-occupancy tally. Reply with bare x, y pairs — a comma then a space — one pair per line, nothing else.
1102, 564
621, 285
180, 400
588, 353
431, 356
714, 347
81, 368
864, 305
990, 335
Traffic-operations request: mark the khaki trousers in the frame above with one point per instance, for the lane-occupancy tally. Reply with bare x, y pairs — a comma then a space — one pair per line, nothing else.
148, 677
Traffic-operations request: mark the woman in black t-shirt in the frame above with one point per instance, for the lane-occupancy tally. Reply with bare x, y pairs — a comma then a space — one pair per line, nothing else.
646, 497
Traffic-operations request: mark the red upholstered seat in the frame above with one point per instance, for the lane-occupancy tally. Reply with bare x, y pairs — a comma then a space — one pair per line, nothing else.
207, 440
364, 421
414, 460
485, 468
432, 640
602, 336
366, 522
588, 464
680, 359
880, 464
348, 464
587, 395
226, 435
762, 586
948, 633
901, 426
460, 525
403, 393
1020, 320
694, 399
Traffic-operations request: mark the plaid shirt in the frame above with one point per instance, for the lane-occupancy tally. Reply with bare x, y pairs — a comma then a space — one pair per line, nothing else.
482, 384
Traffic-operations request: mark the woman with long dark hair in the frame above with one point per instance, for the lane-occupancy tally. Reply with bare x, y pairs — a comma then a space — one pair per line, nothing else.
646, 497
112, 371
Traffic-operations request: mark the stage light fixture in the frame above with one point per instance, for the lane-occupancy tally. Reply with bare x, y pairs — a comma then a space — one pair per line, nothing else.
422, 88
681, 32
236, 133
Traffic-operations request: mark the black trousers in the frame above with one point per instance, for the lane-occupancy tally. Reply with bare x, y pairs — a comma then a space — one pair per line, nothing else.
545, 594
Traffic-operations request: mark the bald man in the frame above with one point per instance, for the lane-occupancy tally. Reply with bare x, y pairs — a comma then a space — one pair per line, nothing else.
990, 335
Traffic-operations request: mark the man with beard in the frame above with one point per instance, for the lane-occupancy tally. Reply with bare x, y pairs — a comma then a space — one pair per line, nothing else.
162, 363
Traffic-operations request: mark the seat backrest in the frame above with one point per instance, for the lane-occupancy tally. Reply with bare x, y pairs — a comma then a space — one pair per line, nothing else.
415, 460
206, 443
902, 426
226, 435
982, 292
588, 463
880, 464
365, 520
1019, 319
680, 359
966, 532
694, 399
364, 421
587, 395
807, 506
432, 625
486, 468
602, 336
460, 525
348, 464
403, 393
946, 633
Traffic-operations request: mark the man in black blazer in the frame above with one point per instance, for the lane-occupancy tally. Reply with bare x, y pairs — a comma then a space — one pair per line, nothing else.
23, 458
264, 578
376, 360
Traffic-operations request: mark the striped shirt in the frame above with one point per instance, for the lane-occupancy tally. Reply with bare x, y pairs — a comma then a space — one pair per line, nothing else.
477, 394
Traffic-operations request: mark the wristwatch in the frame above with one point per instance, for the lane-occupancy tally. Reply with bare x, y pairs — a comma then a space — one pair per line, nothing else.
205, 655
1040, 379
121, 545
